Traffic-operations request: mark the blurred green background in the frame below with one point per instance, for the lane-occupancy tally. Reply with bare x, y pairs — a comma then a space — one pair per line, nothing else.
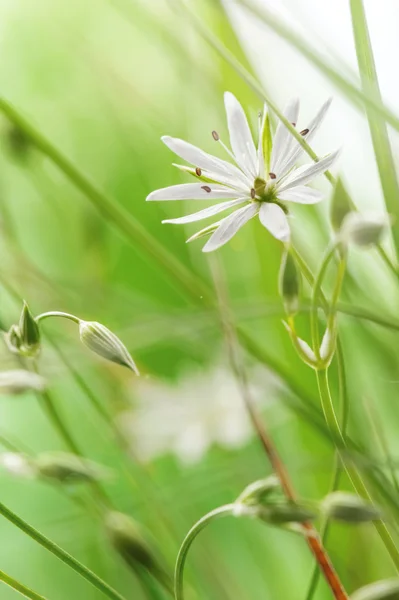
103, 80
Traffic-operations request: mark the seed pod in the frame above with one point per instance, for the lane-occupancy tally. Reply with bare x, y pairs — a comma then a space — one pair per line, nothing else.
19, 381
349, 508
380, 590
289, 283
132, 543
103, 342
340, 206
29, 333
259, 492
364, 229
68, 468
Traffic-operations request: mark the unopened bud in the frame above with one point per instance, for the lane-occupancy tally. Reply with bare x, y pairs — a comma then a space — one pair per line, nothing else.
343, 506
131, 542
328, 344
19, 381
69, 468
305, 352
387, 589
289, 283
29, 333
103, 342
258, 492
340, 205
18, 464
364, 229
288, 512
13, 339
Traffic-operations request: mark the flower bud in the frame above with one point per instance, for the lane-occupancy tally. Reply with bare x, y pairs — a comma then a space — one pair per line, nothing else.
29, 333
130, 541
258, 492
69, 468
18, 464
19, 381
287, 512
328, 345
13, 339
305, 352
364, 229
387, 589
289, 283
349, 508
103, 342
340, 206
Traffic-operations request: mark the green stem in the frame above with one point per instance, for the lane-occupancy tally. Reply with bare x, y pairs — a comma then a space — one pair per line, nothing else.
20, 587
315, 299
57, 313
223, 511
61, 554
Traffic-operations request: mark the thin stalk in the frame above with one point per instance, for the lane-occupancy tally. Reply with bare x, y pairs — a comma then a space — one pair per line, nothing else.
58, 313
61, 554
19, 587
264, 437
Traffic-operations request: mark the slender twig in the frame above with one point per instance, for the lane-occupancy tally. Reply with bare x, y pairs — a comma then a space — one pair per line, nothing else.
264, 437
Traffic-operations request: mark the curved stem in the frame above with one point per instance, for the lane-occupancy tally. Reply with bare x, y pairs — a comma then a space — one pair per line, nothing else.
57, 313
61, 554
223, 511
19, 587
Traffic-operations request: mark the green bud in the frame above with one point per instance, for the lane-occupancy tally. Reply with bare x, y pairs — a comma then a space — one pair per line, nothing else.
328, 345
18, 464
349, 508
13, 339
287, 512
19, 381
132, 543
365, 229
69, 468
29, 333
303, 349
259, 492
380, 590
103, 342
289, 283
340, 205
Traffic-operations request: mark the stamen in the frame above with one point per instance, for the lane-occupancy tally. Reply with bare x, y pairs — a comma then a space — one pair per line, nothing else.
206, 188
198, 172
304, 132
253, 193
215, 136
272, 175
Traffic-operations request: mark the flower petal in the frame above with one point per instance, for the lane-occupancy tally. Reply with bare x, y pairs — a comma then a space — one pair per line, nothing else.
283, 138
192, 191
229, 226
274, 219
206, 212
302, 195
306, 173
296, 149
203, 160
241, 140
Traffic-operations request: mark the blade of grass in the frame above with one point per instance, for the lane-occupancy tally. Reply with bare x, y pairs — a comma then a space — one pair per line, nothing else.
19, 587
377, 125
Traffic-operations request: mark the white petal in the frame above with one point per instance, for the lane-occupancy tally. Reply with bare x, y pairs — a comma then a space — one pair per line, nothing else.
207, 212
302, 195
296, 149
241, 140
274, 219
201, 159
229, 226
306, 173
192, 191
283, 138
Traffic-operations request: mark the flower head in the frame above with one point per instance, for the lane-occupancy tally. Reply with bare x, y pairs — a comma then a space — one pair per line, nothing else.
261, 180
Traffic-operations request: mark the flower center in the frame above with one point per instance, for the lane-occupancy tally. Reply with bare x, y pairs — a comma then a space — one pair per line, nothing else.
266, 192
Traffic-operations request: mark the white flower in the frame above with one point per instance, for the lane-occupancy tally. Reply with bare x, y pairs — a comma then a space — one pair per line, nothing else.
261, 181
203, 409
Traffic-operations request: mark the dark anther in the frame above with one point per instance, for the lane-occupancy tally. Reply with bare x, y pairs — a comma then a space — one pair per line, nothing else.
293, 124
215, 136
206, 188
272, 175
304, 131
253, 193
198, 171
